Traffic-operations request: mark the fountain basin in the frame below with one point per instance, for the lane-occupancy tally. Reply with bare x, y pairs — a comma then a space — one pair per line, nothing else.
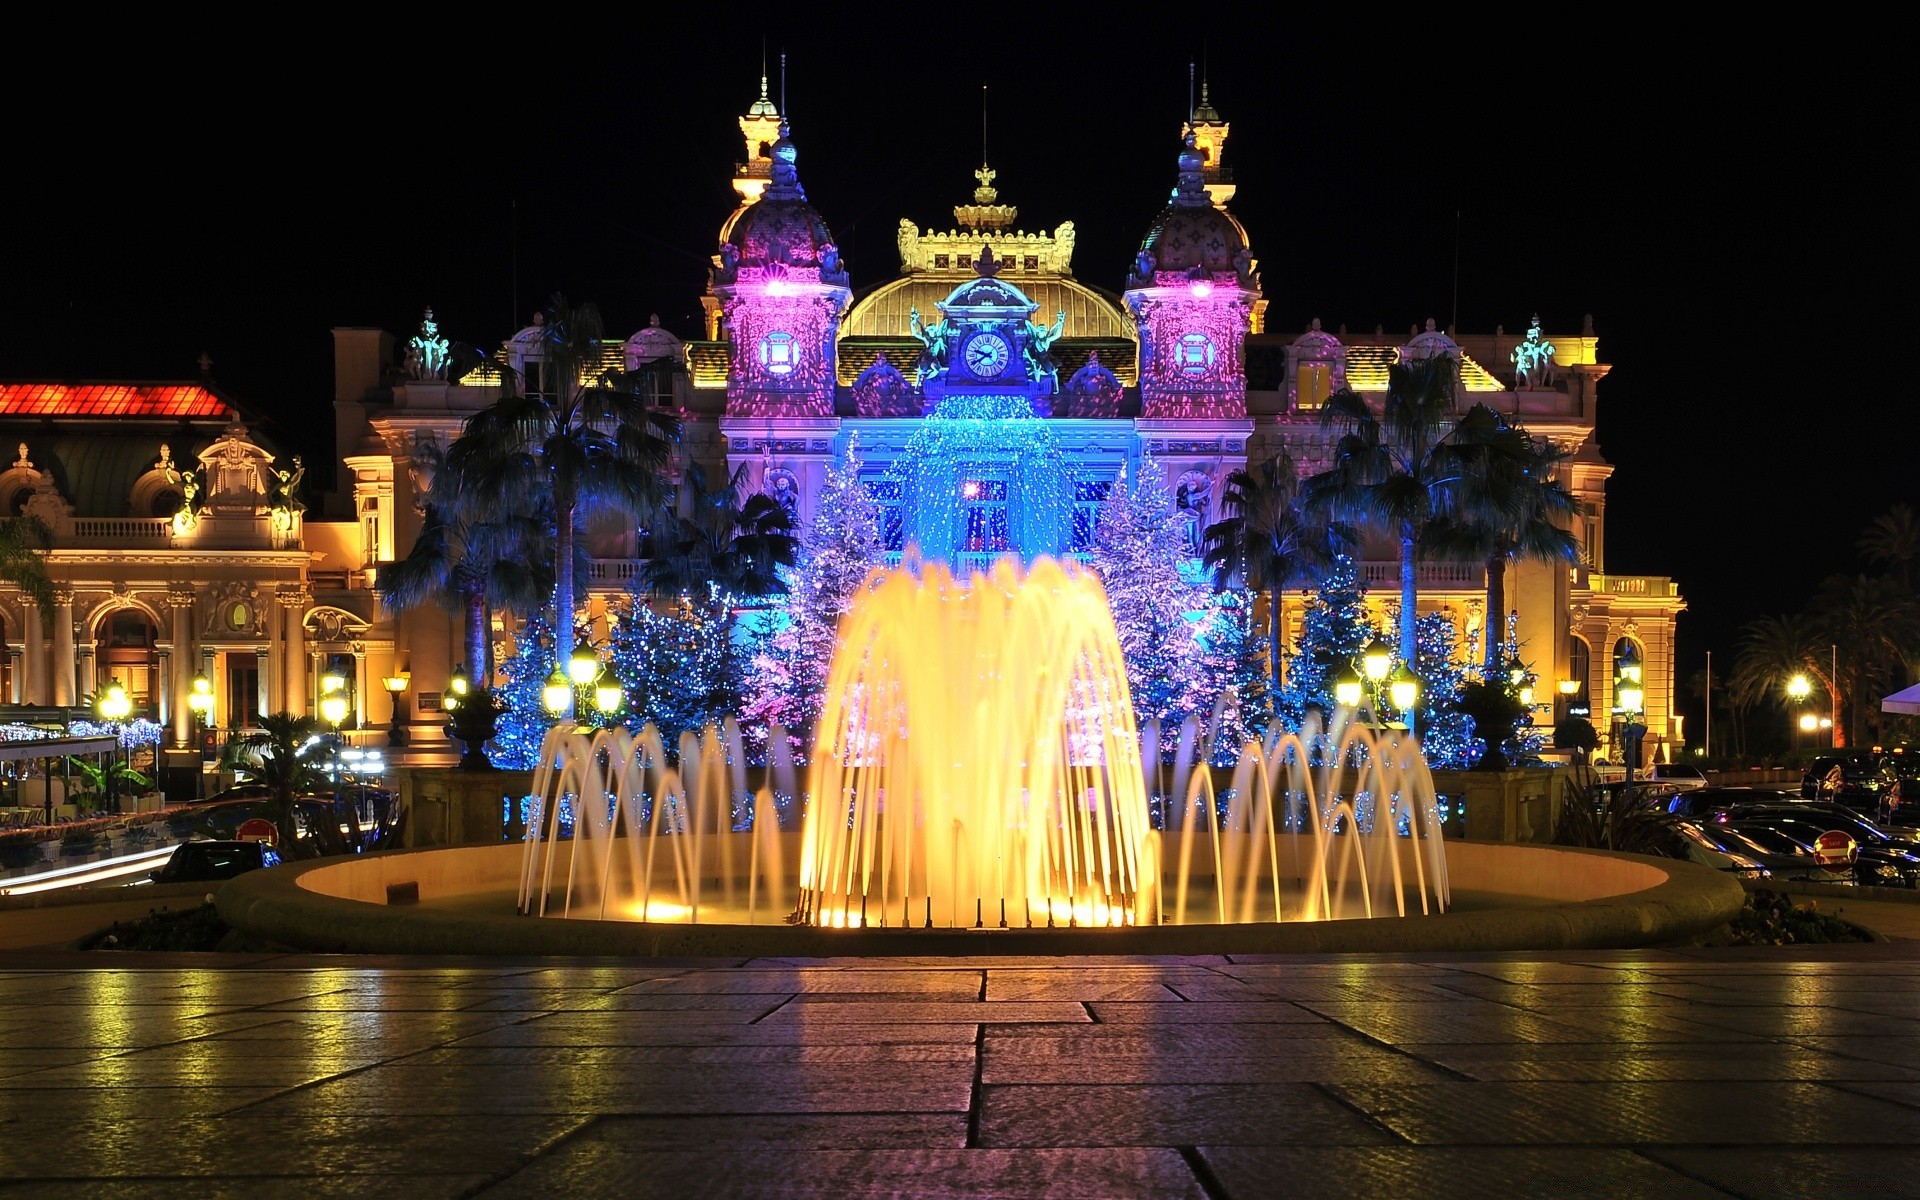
1527, 898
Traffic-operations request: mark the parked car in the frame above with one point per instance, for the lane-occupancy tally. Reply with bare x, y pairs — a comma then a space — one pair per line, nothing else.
1877, 864
1821, 817
195, 862
1680, 775
1785, 858
1703, 848
1859, 780
1702, 803
314, 820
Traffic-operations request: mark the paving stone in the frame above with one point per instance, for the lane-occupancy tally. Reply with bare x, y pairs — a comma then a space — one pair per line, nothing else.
1460, 1021
1171, 1115
763, 1132
60, 1107
153, 1146
595, 1029
1441, 1172
1904, 1092
563, 1057
1106, 1061
1610, 1060
1076, 986
333, 1187
1798, 1022
1631, 1113
833, 1174
1793, 1173
955, 985
883, 1012
1269, 1012
1903, 1051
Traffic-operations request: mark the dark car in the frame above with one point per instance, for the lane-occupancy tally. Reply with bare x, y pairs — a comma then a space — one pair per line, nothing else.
1880, 865
1779, 856
1859, 780
198, 862
1827, 816
316, 821
1702, 803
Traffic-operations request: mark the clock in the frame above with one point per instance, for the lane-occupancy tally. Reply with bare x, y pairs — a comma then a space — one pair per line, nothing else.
986, 355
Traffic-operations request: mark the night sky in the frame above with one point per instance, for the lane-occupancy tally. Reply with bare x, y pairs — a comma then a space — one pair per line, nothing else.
1727, 215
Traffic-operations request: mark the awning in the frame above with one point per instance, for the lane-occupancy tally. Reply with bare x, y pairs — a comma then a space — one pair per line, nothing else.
1907, 701
16, 749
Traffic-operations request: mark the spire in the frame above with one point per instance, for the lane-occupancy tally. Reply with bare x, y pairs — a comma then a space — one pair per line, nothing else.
761, 128
1192, 189
785, 176
986, 212
1209, 132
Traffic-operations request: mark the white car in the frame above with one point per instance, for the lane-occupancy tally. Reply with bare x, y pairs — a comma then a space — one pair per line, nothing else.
1680, 775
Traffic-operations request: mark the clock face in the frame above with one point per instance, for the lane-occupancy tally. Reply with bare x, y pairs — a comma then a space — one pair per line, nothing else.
986, 355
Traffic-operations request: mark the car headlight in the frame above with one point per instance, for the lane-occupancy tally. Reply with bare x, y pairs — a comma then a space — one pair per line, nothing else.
1887, 871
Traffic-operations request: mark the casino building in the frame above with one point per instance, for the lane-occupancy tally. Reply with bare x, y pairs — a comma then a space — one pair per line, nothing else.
984, 355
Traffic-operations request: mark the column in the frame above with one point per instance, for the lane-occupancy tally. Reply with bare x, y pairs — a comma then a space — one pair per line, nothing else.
83, 662
296, 681
162, 687
181, 682
16, 692
359, 685
34, 636
262, 695
271, 620
63, 672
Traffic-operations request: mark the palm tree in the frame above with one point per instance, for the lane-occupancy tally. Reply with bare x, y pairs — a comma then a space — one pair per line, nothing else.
1893, 540
586, 438
470, 564
283, 752
1263, 540
722, 546
1519, 513
1408, 469
24, 542
1771, 651
1873, 624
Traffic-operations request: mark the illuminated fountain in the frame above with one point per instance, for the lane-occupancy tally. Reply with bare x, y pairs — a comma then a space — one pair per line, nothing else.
977, 767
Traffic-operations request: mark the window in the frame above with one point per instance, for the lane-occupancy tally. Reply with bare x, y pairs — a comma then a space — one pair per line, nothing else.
983, 510
1193, 353
940, 262
1579, 666
129, 629
1030, 262
166, 502
1088, 496
893, 526
779, 353
1313, 385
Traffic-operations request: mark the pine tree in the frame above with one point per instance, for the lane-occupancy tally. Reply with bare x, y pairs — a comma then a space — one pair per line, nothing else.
1137, 550
840, 549
1232, 663
681, 668
520, 730
1334, 632
1446, 734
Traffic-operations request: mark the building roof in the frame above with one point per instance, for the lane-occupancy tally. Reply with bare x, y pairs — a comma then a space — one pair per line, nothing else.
68, 401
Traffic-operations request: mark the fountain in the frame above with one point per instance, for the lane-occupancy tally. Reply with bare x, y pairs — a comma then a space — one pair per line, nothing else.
977, 767
977, 786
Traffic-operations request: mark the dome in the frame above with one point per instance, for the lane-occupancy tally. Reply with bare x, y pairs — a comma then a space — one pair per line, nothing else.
987, 290
1192, 234
781, 227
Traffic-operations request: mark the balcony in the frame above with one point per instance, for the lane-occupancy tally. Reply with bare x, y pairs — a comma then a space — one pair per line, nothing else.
137, 531
1428, 574
1632, 585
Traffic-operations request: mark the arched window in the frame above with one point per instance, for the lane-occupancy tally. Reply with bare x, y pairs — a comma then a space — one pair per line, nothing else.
1580, 670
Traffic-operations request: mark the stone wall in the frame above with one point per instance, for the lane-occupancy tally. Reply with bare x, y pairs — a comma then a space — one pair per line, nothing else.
446, 806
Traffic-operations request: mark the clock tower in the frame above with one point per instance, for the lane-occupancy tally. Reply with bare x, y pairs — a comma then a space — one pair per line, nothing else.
986, 344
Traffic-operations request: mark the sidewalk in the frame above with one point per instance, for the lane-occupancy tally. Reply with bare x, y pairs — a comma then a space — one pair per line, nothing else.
1759, 1071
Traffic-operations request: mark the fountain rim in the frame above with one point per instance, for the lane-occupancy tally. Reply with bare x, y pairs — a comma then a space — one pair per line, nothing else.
279, 906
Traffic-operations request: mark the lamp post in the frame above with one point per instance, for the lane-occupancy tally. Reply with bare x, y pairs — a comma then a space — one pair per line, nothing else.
1630, 698
1798, 689
1404, 691
1569, 688
114, 705
333, 707
396, 685
200, 701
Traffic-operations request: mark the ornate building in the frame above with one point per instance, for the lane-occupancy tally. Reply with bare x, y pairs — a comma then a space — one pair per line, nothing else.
993, 395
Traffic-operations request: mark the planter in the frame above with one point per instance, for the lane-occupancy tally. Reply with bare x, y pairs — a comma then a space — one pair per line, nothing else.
1520, 804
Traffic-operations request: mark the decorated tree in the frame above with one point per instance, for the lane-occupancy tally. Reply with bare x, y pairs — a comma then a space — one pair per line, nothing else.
839, 550
1334, 632
1446, 734
520, 729
1232, 664
1137, 549
681, 667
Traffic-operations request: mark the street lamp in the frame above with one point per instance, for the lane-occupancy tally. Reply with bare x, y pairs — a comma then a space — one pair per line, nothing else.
333, 707
1346, 688
200, 700
396, 685
557, 694
1569, 688
1377, 660
114, 705
456, 688
1630, 698
1404, 691
608, 692
1798, 689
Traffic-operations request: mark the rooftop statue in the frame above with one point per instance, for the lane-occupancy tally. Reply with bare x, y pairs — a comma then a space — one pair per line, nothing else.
427, 353
1533, 361
1039, 346
934, 342
286, 495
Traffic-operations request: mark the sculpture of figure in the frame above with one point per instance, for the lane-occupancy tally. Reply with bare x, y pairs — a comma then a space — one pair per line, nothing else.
287, 495
1063, 247
1143, 266
1039, 346
785, 493
1533, 361
829, 262
933, 342
909, 239
427, 353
